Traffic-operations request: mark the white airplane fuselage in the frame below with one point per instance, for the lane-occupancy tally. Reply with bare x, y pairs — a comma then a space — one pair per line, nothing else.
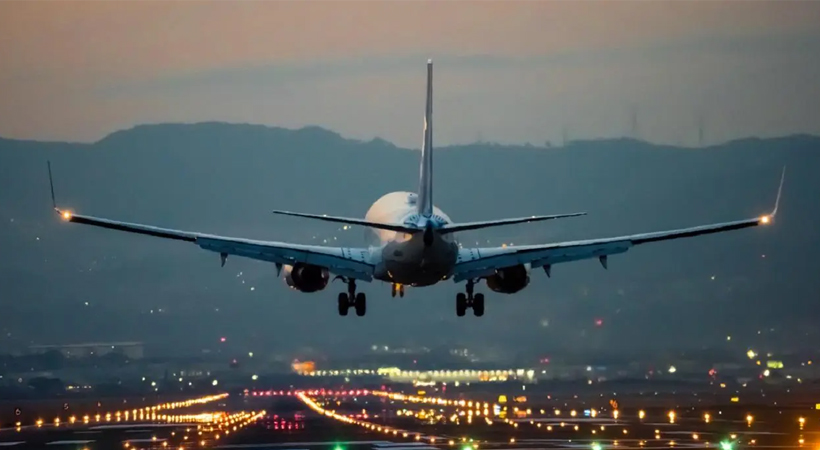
404, 258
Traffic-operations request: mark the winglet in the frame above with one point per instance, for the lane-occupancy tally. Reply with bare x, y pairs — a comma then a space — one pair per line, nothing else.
766, 219
779, 192
51, 182
66, 215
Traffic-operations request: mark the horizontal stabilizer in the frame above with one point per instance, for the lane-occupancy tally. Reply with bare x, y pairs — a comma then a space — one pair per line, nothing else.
351, 221
454, 227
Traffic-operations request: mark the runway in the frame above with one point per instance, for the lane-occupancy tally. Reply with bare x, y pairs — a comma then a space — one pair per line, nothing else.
389, 421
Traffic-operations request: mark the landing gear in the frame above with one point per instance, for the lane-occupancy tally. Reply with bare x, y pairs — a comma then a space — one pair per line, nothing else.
468, 300
397, 289
351, 298
344, 304
461, 304
478, 305
360, 304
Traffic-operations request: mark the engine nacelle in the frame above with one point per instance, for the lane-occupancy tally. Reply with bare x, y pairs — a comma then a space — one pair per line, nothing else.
306, 277
510, 280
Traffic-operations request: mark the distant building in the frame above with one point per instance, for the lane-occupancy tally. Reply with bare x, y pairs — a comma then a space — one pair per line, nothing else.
132, 350
305, 367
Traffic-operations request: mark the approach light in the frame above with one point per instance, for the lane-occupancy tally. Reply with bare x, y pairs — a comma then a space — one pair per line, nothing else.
725, 445
596, 446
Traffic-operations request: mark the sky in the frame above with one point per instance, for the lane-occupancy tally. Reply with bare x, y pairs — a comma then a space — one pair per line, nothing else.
505, 71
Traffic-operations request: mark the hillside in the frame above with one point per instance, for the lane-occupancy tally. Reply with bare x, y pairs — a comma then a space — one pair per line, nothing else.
225, 179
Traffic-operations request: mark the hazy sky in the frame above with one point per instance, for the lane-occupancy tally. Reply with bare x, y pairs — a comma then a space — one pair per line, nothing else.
506, 71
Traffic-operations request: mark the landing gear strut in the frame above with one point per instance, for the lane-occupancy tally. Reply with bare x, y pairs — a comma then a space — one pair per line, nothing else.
351, 298
397, 289
468, 300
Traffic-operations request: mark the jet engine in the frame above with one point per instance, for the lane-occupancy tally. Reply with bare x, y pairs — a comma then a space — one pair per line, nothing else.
510, 279
306, 277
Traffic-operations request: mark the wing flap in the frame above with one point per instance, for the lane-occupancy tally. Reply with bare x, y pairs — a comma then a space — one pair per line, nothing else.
341, 261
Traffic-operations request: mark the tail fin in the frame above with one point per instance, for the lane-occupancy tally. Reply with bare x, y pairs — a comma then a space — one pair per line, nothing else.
425, 200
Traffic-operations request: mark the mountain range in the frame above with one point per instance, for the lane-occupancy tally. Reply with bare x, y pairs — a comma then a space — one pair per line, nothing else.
65, 283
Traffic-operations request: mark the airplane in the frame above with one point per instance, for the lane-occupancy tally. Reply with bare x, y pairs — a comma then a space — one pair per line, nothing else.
413, 244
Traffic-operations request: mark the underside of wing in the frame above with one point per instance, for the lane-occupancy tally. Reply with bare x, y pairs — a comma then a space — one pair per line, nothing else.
353, 263
348, 262
481, 262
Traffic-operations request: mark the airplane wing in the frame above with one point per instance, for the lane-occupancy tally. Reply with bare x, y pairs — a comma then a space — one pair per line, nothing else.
479, 262
348, 262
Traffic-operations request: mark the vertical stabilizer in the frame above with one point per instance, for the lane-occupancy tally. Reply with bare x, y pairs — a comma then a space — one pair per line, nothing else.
425, 200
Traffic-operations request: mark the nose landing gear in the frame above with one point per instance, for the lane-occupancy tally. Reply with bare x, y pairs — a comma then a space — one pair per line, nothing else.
351, 298
468, 300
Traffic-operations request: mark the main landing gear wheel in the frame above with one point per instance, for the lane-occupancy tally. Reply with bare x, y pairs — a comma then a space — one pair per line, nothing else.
360, 304
468, 300
351, 298
461, 304
478, 305
344, 304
